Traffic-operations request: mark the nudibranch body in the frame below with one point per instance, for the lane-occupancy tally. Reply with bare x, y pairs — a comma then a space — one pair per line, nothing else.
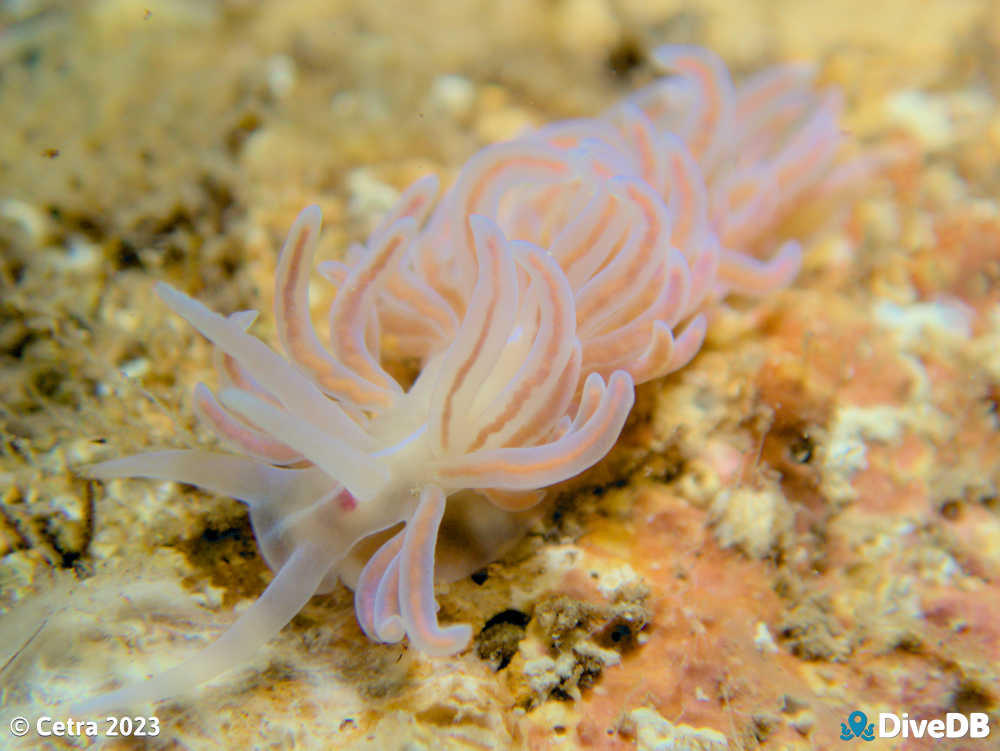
560, 270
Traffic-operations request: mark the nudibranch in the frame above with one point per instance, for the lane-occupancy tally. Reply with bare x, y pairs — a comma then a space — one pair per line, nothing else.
560, 270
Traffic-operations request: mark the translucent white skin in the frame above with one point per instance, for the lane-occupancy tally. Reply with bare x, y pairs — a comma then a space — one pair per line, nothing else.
358, 476
294, 584
560, 270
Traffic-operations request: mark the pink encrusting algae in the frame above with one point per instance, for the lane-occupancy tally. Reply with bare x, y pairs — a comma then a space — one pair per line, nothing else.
560, 270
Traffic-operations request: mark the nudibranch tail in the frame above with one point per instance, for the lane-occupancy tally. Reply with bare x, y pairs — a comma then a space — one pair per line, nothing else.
285, 596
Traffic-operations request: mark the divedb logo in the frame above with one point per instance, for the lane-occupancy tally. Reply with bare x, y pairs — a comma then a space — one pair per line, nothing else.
954, 725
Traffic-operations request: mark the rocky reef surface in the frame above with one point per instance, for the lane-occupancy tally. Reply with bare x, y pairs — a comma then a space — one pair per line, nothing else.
802, 522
